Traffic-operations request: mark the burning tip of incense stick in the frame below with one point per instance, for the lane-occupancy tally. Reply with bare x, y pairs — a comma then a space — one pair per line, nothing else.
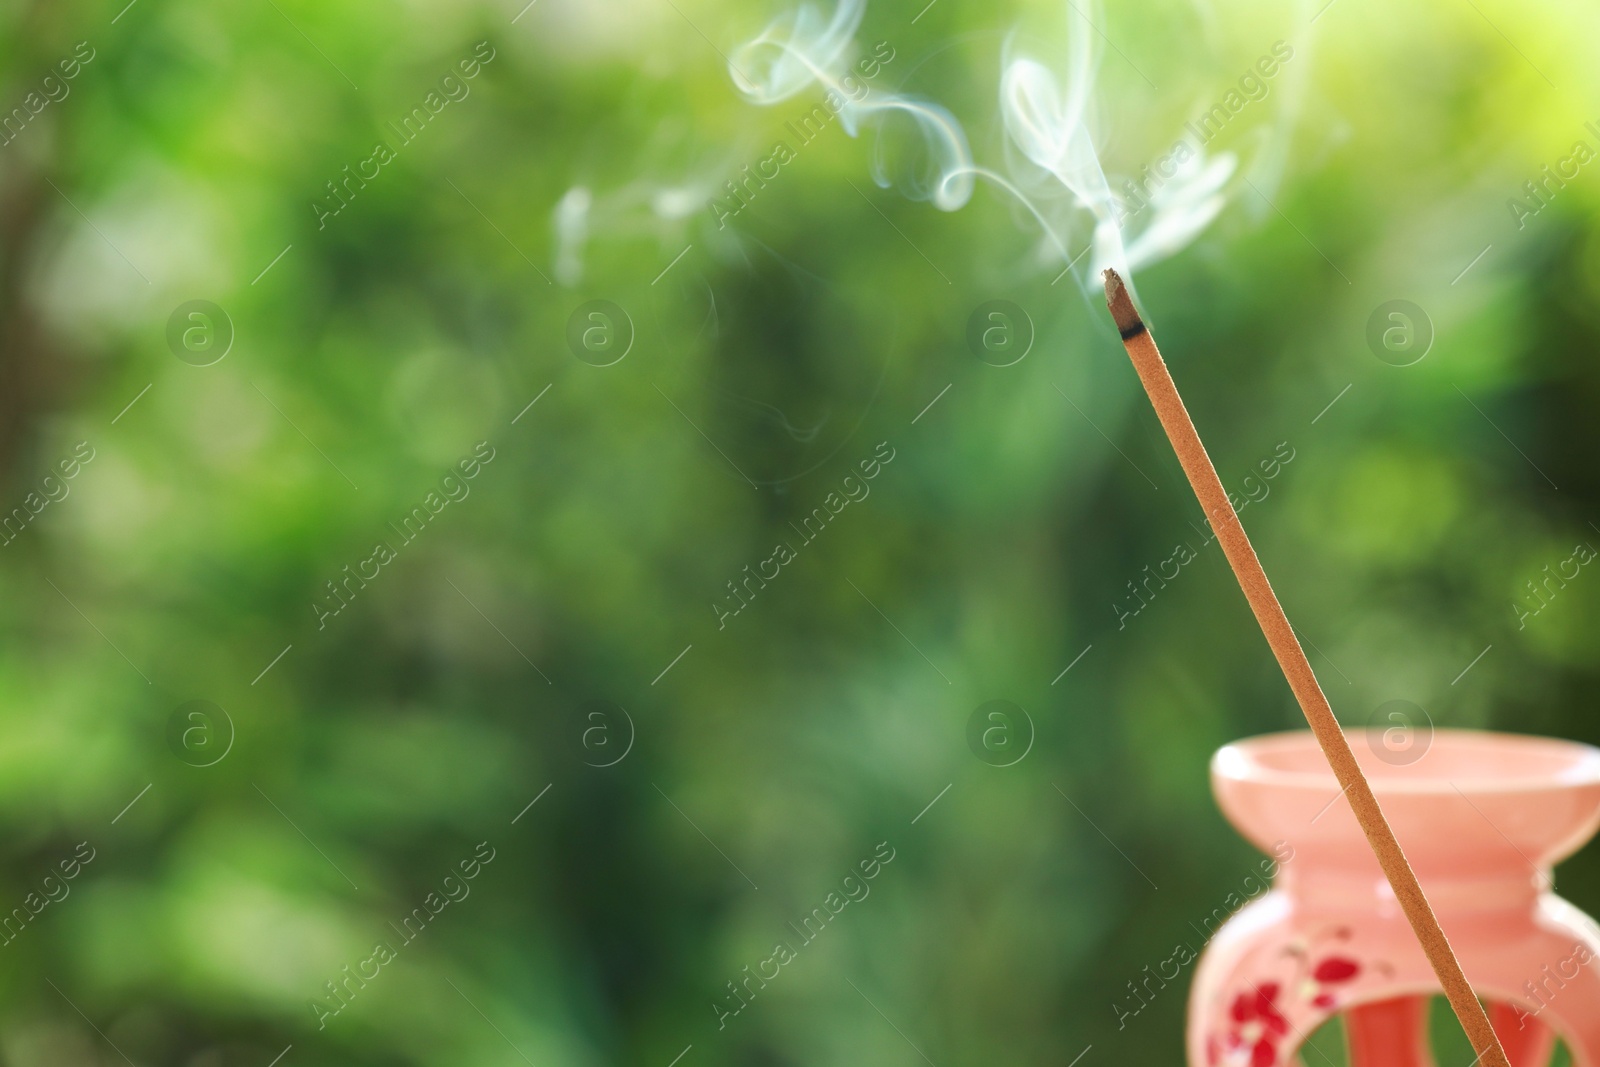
1129, 324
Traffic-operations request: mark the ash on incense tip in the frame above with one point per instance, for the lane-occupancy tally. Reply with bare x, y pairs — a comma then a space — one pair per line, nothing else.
1129, 324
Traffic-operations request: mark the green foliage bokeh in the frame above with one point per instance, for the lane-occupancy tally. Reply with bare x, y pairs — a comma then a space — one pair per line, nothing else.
768, 362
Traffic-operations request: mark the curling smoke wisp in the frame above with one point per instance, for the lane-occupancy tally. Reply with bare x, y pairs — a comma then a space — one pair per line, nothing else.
801, 48
1088, 217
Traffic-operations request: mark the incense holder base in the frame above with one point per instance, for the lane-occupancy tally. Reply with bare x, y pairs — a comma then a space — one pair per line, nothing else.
1482, 818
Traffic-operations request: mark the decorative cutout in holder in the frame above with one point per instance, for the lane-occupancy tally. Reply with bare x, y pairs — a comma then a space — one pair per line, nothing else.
1482, 817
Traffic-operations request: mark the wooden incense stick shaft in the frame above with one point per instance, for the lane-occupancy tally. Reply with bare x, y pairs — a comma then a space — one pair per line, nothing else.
1291, 658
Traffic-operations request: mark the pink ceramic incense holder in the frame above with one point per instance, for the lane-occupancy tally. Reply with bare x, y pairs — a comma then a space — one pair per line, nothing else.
1482, 817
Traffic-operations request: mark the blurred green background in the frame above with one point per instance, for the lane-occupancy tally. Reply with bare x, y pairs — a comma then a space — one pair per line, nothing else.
373, 350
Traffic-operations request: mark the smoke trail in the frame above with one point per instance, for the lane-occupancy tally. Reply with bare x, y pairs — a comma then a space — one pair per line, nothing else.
793, 51
802, 48
640, 207
1085, 215
1049, 122
1183, 208
796, 51
570, 220
1272, 158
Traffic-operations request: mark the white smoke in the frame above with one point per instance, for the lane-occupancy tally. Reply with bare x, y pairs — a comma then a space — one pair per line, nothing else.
1088, 218
641, 208
1047, 116
801, 48
1271, 160
1050, 121
795, 50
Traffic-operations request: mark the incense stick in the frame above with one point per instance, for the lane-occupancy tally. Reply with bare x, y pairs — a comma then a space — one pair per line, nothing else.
1296, 668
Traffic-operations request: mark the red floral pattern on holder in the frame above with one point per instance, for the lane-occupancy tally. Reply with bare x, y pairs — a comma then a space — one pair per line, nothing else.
1256, 1024
1333, 971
